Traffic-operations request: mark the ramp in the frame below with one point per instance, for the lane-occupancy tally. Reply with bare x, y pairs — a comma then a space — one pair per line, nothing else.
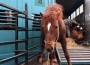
78, 56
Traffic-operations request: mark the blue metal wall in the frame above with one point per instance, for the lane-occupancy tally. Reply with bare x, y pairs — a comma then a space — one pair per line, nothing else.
5, 35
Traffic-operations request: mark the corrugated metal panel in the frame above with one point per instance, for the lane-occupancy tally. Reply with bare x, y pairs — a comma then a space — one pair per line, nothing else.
87, 19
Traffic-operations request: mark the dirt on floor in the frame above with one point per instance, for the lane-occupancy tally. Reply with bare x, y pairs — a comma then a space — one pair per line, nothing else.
72, 44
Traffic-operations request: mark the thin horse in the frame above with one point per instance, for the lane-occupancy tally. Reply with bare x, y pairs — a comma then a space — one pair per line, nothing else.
57, 31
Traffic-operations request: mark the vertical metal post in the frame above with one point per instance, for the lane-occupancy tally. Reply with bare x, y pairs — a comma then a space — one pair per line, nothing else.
84, 17
16, 38
26, 34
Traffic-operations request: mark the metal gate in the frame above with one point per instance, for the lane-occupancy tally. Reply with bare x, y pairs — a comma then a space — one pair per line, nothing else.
10, 21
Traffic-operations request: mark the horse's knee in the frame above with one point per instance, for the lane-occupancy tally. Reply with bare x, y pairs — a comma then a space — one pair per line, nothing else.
67, 55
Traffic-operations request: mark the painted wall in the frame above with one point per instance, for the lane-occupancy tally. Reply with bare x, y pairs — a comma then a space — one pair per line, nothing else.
41, 8
9, 35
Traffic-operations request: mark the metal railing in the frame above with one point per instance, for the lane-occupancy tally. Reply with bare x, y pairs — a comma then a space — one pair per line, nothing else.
19, 53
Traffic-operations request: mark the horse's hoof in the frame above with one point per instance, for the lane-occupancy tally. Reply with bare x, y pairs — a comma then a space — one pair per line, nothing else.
54, 61
40, 60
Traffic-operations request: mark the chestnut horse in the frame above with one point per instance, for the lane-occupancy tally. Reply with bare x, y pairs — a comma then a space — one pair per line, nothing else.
57, 31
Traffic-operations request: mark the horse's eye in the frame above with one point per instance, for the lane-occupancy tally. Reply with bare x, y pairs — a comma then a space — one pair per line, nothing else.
78, 26
56, 26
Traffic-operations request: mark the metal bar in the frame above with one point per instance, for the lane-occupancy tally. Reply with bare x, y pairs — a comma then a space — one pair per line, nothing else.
7, 20
21, 17
30, 18
24, 29
6, 6
7, 16
7, 13
7, 28
7, 23
36, 26
34, 19
34, 47
12, 28
34, 37
37, 16
16, 38
36, 23
20, 51
26, 33
10, 58
12, 42
21, 28
34, 30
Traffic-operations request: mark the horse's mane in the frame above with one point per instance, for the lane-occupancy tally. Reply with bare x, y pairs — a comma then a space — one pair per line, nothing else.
53, 8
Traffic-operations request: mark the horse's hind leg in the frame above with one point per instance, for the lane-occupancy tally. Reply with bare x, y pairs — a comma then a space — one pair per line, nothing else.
64, 47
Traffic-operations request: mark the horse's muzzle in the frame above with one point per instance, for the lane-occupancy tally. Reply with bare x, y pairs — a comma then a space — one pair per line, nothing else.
49, 49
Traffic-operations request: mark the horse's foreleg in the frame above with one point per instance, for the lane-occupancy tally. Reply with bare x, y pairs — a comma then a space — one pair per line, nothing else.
41, 57
52, 58
64, 47
48, 61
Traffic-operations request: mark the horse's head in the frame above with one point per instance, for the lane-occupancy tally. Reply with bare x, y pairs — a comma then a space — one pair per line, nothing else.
49, 24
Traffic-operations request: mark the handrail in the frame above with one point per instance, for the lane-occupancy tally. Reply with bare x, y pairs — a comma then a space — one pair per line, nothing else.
12, 42
29, 18
10, 58
19, 53
6, 6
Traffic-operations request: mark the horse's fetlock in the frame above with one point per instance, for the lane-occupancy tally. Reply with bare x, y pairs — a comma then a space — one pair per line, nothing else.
40, 60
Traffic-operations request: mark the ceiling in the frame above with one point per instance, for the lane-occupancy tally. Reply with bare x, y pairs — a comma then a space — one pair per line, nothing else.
70, 5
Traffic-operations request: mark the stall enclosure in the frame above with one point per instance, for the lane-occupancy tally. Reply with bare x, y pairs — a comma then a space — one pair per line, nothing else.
18, 32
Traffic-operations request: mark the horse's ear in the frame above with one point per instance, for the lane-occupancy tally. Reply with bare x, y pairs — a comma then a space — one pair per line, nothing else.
41, 14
